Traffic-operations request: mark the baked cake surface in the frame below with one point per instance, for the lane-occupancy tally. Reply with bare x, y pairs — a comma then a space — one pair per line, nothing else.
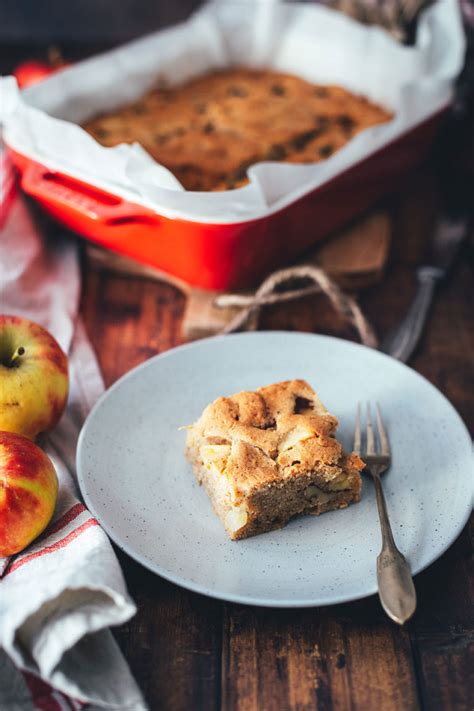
266, 456
211, 129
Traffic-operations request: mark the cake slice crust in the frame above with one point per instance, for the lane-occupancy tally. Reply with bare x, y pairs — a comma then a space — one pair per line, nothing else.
268, 455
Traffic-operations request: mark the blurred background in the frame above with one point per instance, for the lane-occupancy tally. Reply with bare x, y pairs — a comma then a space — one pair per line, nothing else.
79, 28
43, 21
86, 26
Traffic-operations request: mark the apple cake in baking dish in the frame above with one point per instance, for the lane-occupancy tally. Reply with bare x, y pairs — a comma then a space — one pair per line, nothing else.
208, 131
266, 456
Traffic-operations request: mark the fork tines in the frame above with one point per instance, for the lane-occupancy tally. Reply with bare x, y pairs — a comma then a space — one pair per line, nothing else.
370, 437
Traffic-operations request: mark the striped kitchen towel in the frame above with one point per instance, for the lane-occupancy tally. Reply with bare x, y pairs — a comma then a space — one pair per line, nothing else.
59, 597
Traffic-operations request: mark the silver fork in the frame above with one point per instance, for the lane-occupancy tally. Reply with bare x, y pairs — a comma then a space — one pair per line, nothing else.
396, 589
449, 234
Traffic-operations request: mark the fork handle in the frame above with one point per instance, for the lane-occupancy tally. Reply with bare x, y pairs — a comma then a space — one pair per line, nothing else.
401, 342
396, 589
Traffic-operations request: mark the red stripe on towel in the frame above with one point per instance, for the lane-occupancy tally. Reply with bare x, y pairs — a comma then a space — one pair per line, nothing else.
66, 518
61, 523
53, 547
41, 693
67, 701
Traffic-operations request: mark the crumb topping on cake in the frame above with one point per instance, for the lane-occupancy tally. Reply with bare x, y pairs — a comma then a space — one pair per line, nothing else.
269, 435
211, 129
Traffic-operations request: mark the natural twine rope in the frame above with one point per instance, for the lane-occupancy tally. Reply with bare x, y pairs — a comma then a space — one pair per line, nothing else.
270, 293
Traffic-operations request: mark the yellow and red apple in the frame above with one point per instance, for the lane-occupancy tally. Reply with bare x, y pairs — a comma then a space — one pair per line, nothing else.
33, 377
28, 492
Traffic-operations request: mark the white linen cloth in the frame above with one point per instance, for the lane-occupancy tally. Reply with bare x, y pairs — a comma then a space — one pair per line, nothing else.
58, 597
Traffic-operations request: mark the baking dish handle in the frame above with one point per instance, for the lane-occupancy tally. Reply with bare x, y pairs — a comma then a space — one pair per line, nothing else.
71, 195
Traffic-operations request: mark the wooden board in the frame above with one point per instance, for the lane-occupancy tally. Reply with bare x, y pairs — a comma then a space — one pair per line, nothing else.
355, 257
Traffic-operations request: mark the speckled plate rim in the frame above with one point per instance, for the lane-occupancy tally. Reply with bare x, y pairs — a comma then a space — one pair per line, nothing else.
182, 581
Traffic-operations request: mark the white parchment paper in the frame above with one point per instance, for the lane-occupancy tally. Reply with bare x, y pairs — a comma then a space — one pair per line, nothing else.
311, 41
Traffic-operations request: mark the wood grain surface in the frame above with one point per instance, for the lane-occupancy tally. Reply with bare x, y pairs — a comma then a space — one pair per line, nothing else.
189, 652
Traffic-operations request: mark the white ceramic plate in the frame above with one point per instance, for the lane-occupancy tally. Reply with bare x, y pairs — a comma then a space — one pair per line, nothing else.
136, 481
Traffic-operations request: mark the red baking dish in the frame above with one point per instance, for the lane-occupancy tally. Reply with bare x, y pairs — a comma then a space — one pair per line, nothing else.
223, 256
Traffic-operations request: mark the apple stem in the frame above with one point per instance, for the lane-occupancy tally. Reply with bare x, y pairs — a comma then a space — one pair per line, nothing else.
17, 354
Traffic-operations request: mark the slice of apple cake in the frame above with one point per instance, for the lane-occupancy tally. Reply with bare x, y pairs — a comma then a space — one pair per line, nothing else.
266, 456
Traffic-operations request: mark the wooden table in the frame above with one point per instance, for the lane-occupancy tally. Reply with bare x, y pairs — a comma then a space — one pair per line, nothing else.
189, 652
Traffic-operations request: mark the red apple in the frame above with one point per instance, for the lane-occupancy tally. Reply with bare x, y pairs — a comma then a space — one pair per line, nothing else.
33, 71
28, 492
33, 377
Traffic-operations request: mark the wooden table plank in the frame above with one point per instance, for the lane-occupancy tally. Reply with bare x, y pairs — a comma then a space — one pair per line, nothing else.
173, 644
129, 320
346, 657
443, 630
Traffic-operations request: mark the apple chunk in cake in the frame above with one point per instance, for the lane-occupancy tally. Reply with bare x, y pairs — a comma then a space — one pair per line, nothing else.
266, 456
